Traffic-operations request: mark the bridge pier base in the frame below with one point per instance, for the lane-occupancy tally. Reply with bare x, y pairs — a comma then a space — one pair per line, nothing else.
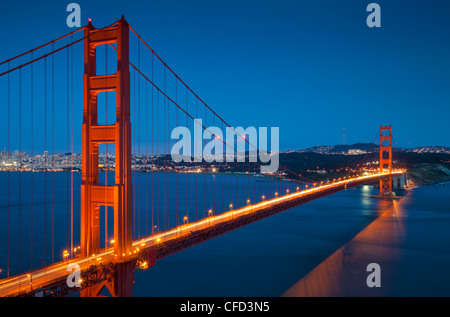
396, 183
119, 284
124, 280
399, 182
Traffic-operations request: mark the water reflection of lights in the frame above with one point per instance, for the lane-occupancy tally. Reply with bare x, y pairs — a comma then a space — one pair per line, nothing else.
340, 274
366, 200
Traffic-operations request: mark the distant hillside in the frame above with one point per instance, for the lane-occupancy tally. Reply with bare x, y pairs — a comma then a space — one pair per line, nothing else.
302, 162
426, 174
370, 147
333, 149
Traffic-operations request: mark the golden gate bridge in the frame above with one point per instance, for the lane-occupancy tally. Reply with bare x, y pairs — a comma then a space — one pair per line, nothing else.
122, 225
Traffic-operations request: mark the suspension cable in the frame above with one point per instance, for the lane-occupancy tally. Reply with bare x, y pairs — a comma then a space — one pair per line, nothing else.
190, 116
42, 46
57, 50
201, 100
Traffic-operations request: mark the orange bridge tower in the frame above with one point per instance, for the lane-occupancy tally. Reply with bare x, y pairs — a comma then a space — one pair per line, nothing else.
386, 160
93, 194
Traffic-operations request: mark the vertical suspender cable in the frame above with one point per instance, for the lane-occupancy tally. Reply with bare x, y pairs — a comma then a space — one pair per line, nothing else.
243, 177
105, 165
9, 162
146, 158
223, 200
177, 171
255, 194
139, 142
214, 179
71, 147
153, 153
53, 156
164, 156
32, 165
196, 174
158, 148
20, 175
249, 176
133, 153
237, 177
205, 176
68, 149
166, 102
187, 180
45, 161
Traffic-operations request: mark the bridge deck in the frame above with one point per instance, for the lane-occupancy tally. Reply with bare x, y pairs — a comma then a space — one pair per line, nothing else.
51, 280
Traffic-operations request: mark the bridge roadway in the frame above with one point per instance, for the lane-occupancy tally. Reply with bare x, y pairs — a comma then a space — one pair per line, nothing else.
51, 280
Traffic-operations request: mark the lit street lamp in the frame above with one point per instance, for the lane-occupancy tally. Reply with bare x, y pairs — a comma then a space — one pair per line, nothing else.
210, 212
31, 280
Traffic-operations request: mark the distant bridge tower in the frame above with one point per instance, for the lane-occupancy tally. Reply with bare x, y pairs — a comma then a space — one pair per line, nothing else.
386, 160
94, 195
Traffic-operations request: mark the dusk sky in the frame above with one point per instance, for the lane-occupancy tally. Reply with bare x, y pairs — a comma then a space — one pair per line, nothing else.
312, 68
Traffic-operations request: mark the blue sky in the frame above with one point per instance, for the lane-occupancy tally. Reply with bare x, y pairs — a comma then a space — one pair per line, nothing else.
311, 67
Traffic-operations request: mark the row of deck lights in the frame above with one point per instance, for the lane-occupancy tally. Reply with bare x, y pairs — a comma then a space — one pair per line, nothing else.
315, 184
66, 254
210, 213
